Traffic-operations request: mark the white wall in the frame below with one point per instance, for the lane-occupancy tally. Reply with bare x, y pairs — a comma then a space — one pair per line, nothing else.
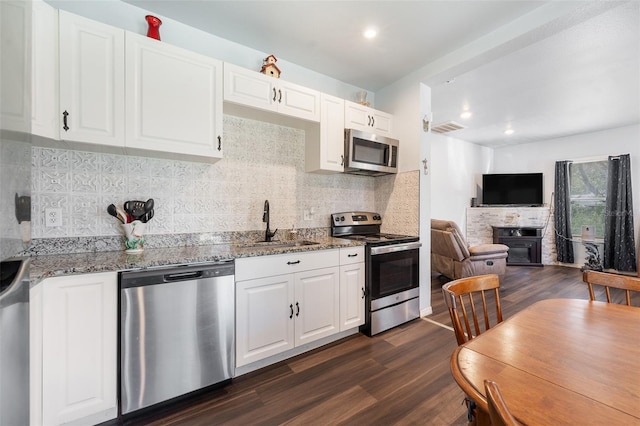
410, 101
456, 175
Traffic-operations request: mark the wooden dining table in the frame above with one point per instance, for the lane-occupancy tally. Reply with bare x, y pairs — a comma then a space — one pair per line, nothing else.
557, 362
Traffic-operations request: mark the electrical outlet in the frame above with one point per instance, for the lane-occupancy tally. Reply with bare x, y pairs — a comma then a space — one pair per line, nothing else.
53, 217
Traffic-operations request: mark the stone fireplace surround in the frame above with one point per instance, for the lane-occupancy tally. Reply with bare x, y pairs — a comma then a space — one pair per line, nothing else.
481, 219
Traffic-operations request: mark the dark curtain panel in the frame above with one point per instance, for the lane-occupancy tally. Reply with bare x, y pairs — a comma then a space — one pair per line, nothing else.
619, 245
562, 216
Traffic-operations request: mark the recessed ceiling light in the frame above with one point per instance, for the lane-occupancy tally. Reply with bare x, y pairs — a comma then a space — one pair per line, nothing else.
466, 114
508, 132
370, 32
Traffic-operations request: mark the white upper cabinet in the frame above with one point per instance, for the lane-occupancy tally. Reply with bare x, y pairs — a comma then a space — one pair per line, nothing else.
324, 153
15, 32
45, 120
256, 90
29, 67
91, 81
361, 117
173, 99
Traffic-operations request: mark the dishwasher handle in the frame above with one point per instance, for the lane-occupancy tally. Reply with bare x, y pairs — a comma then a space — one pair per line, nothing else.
166, 275
182, 276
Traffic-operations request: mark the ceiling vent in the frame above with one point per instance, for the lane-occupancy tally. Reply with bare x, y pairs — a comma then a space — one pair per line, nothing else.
448, 126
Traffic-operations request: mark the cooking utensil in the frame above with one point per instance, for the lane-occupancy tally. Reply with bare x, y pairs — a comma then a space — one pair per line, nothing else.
138, 208
146, 217
124, 218
111, 209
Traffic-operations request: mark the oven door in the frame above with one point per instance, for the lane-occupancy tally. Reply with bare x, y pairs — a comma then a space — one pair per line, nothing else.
393, 269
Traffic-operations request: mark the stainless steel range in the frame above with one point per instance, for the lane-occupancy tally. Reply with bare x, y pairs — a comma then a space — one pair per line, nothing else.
392, 270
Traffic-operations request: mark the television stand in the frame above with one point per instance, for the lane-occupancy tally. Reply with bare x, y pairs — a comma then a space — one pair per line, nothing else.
524, 242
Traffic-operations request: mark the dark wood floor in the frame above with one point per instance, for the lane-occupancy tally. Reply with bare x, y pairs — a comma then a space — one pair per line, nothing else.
399, 377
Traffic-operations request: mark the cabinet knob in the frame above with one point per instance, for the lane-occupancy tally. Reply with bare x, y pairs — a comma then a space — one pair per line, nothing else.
369, 118
291, 307
352, 255
363, 292
219, 143
342, 160
274, 94
297, 309
373, 121
279, 96
293, 263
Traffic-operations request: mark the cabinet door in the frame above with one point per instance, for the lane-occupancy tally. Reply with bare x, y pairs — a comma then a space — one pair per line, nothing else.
357, 116
264, 318
173, 99
382, 123
44, 71
91, 81
250, 88
327, 152
15, 66
79, 349
298, 101
317, 304
360, 117
351, 295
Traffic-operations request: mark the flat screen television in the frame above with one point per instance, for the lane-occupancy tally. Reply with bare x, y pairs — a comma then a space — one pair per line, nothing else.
512, 189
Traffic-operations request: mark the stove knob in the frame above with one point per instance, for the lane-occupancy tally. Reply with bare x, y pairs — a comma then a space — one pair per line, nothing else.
341, 218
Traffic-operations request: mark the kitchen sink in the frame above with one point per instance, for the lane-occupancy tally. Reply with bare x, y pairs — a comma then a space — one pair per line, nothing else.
279, 244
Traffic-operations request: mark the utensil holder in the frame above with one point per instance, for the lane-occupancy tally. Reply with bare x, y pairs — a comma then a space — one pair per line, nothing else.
134, 236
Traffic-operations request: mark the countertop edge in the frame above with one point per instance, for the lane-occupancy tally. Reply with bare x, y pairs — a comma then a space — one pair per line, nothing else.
48, 266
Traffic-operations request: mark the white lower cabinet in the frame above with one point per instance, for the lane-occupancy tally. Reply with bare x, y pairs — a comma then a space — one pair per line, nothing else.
74, 349
352, 289
280, 312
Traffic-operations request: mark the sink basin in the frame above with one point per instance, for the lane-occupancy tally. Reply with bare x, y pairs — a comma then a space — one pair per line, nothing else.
280, 244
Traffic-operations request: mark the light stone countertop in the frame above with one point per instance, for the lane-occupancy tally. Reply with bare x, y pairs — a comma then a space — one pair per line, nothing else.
47, 266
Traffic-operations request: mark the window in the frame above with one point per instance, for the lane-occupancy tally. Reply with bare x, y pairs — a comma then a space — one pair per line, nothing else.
588, 186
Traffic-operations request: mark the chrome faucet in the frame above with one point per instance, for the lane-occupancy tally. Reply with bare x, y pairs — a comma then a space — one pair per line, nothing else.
265, 218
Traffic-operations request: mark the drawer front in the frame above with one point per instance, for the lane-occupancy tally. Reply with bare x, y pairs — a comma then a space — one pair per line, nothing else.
248, 268
351, 255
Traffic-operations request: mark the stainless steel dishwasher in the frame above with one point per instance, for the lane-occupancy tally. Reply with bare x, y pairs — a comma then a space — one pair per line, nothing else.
176, 332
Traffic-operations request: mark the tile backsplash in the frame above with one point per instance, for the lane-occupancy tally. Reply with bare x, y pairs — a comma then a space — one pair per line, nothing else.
261, 161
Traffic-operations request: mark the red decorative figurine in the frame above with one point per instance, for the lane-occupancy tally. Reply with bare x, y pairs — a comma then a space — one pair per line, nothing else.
154, 27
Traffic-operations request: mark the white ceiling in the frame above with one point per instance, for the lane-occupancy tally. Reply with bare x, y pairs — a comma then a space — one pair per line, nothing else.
545, 69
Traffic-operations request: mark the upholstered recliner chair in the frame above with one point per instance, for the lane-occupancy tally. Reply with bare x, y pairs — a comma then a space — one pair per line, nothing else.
452, 257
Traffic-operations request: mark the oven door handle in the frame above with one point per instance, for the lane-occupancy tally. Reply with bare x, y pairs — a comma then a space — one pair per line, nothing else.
395, 248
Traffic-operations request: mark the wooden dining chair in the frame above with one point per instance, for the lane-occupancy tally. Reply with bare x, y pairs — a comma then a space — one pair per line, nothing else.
468, 301
498, 411
624, 283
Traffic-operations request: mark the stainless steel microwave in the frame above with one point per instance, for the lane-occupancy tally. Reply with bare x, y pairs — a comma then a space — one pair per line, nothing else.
369, 154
